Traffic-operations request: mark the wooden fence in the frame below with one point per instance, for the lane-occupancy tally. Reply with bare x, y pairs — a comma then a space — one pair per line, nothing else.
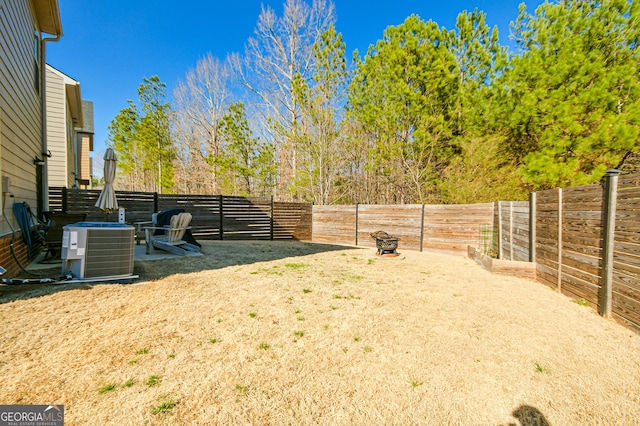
626, 251
562, 230
588, 245
511, 235
585, 242
569, 240
215, 217
443, 228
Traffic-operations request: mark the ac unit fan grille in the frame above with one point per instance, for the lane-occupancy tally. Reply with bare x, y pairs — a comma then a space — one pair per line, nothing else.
109, 252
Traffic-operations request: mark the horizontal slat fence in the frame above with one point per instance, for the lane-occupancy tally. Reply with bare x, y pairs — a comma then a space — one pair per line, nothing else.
547, 237
292, 221
511, 222
335, 224
56, 197
569, 240
567, 226
402, 221
444, 228
626, 252
138, 205
452, 227
204, 209
582, 242
214, 217
245, 219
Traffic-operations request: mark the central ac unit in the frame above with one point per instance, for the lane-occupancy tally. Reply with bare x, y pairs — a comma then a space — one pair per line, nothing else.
98, 250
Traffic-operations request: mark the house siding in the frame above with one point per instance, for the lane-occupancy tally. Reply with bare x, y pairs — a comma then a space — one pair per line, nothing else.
20, 127
71, 147
63, 137
85, 161
56, 129
86, 145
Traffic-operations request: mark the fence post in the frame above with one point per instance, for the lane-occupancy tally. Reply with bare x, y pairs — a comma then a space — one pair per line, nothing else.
357, 205
499, 230
559, 281
608, 229
510, 230
422, 229
532, 227
271, 221
155, 202
221, 208
65, 194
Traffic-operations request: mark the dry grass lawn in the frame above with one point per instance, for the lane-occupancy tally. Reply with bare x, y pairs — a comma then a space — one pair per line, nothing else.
273, 333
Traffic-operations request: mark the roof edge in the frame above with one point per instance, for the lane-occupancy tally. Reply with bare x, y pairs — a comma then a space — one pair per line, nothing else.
48, 16
74, 97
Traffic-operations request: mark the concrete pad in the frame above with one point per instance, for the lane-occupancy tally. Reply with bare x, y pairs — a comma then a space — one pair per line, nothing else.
139, 255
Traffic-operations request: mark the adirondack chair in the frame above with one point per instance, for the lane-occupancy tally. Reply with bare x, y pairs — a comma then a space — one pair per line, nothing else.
170, 238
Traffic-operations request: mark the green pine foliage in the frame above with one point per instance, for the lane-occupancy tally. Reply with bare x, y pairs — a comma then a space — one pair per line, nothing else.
245, 165
143, 141
401, 96
572, 92
320, 143
426, 115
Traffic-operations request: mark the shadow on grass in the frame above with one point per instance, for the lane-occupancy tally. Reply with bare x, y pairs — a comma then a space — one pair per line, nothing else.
216, 255
222, 254
529, 416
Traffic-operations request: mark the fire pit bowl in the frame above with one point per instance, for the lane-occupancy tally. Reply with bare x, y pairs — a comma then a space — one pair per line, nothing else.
385, 243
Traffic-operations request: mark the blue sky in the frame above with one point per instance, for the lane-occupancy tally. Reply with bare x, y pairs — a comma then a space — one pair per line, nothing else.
109, 46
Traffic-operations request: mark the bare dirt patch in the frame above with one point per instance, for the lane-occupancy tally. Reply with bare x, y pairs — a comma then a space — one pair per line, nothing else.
294, 333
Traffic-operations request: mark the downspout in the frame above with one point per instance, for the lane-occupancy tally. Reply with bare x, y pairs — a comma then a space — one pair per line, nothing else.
76, 157
43, 202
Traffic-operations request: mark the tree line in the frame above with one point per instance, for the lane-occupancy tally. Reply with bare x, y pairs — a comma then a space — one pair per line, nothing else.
426, 115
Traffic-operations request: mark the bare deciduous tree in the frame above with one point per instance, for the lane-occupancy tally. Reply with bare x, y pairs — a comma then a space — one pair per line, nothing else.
282, 49
200, 102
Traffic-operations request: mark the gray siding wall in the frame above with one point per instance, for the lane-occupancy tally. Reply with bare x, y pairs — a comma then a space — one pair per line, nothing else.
20, 137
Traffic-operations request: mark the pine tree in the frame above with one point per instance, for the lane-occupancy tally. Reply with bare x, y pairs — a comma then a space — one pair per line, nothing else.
402, 96
246, 166
320, 144
143, 141
573, 92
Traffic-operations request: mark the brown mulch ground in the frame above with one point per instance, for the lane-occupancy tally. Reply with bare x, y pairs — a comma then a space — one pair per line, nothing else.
293, 333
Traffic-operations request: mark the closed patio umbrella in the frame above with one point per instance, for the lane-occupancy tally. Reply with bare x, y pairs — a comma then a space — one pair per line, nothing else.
107, 200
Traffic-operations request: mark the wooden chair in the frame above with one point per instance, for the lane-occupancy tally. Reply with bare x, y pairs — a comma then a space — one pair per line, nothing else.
140, 227
52, 242
171, 238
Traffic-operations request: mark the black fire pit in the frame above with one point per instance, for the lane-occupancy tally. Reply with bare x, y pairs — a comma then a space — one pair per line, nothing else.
385, 243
